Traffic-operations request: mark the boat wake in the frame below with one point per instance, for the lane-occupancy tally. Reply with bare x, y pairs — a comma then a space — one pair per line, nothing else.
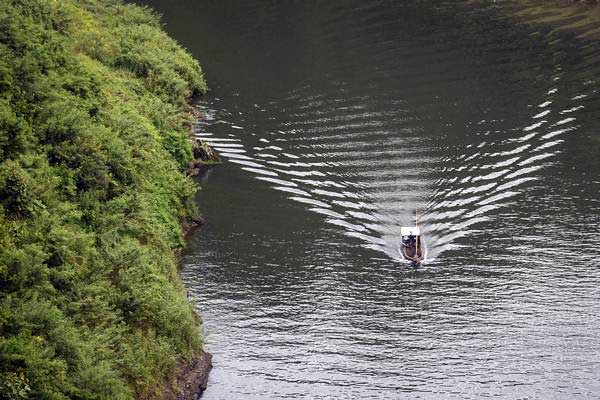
365, 169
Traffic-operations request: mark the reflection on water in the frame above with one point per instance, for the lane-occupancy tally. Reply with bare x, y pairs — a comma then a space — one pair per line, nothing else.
337, 122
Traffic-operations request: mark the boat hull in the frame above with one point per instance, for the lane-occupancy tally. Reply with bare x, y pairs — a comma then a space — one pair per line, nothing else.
411, 253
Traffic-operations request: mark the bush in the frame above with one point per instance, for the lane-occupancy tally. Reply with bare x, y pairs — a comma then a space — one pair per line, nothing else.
93, 191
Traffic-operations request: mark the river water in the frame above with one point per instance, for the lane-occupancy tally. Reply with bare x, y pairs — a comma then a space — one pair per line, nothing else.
338, 120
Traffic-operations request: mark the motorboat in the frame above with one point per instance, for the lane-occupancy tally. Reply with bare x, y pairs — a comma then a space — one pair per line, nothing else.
411, 247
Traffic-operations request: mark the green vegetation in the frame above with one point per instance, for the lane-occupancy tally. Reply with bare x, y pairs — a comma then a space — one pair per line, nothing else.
93, 192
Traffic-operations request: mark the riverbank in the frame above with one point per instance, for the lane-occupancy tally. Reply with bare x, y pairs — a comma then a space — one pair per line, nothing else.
189, 380
94, 195
578, 18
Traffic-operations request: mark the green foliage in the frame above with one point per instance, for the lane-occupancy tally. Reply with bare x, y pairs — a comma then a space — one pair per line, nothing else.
14, 386
93, 191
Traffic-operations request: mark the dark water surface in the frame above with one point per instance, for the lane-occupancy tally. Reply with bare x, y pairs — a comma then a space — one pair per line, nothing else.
338, 120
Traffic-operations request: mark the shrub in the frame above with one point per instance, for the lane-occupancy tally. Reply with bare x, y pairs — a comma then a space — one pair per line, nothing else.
93, 150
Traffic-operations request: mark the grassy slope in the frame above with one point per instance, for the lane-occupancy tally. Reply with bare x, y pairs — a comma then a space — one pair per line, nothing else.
93, 149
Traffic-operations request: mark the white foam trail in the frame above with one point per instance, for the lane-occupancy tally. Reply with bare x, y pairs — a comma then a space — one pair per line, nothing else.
518, 150
352, 195
556, 133
533, 126
292, 190
328, 212
364, 192
212, 140
505, 163
493, 175
328, 193
362, 215
525, 138
238, 151
542, 114
482, 210
497, 197
277, 181
523, 171
477, 189
246, 163
548, 144
446, 214
348, 204
260, 171
297, 164
564, 121
235, 155
226, 145
320, 183
570, 110
536, 158
347, 225
301, 173
472, 157
465, 224
367, 238
455, 203
311, 202
514, 183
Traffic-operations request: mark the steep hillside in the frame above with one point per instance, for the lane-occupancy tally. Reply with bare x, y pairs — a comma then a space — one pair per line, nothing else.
93, 192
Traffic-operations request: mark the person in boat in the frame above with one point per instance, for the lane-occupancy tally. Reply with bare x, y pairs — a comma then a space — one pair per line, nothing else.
409, 241
410, 245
